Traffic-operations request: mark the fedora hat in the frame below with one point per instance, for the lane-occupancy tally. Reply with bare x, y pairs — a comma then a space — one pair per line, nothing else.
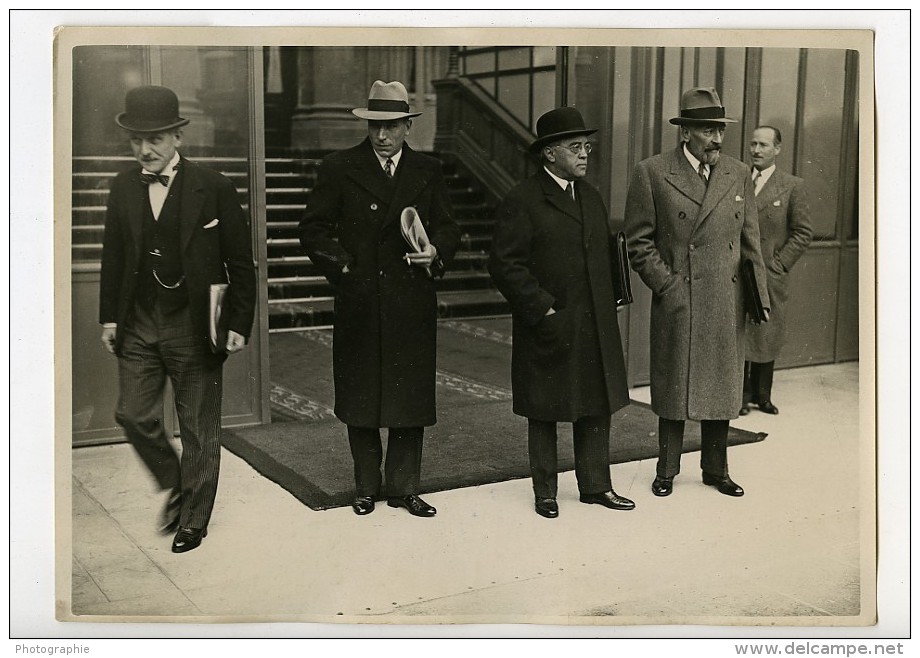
386, 101
150, 109
558, 124
701, 105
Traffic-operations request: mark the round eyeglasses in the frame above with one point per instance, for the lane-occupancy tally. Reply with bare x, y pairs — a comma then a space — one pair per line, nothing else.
576, 148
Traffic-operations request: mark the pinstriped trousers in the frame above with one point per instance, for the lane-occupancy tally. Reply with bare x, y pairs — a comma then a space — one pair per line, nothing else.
157, 346
591, 436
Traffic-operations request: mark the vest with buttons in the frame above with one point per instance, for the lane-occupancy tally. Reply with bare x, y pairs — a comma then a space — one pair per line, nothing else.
161, 254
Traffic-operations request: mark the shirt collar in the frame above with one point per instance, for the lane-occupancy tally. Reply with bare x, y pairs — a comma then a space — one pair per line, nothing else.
168, 169
563, 183
394, 158
766, 173
693, 161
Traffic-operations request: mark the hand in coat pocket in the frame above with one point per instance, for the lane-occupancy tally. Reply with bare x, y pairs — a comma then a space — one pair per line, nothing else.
553, 333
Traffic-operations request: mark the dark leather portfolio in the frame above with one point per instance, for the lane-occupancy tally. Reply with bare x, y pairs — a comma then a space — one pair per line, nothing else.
619, 266
752, 301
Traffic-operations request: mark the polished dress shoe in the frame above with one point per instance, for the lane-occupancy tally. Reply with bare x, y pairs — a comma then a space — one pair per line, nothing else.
724, 485
608, 499
169, 517
415, 505
546, 507
768, 407
662, 486
188, 539
363, 505
744, 411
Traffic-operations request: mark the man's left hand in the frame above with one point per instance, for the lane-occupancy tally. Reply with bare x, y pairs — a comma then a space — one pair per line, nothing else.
235, 342
425, 258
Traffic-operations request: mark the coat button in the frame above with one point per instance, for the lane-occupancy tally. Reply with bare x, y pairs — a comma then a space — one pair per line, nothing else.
682, 214
687, 279
373, 206
731, 245
738, 215
692, 247
734, 278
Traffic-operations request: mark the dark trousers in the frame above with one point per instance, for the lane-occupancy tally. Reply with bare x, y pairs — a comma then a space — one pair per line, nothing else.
758, 382
592, 460
157, 346
714, 453
403, 463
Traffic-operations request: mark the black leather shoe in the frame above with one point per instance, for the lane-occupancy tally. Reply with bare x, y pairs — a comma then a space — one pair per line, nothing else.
415, 505
609, 499
546, 507
744, 411
662, 486
724, 485
363, 505
188, 539
768, 407
169, 517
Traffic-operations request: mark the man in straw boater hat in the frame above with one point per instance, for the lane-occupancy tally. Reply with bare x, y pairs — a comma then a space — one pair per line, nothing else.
551, 260
384, 336
691, 222
172, 229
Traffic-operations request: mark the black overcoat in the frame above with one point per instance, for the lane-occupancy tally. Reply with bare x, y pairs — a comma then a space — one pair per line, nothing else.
216, 246
385, 331
550, 251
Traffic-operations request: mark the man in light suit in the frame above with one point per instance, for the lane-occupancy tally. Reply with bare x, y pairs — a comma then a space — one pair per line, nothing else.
691, 222
384, 337
785, 233
551, 259
172, 229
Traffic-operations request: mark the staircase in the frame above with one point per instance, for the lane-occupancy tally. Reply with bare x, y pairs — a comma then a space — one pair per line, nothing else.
298, 296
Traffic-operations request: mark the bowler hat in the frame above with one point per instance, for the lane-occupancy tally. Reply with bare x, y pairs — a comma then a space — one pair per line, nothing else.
701, 105
558, 124
385, 102
150, 109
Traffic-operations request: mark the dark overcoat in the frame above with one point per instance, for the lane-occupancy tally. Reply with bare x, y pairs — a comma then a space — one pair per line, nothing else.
687, 241
549, 251
785, 233
384, 337
216, 246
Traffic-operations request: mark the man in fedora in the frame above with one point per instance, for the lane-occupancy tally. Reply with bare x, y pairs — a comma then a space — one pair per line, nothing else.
691, 221
785, 233
384, 337
172, 229
551, 259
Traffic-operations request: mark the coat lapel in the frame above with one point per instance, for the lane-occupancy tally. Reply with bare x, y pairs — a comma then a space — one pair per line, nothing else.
190, 202
365, 172
557, 197
411, 178
721, 180
772, 190
683, 178
136, 201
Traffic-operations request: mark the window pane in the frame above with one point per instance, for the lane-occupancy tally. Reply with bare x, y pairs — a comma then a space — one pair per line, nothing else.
518, 58
480, 63
514, 95
544, 56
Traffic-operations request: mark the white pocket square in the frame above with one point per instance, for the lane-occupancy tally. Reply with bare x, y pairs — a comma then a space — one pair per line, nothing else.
214, 222
739, 198
777, 203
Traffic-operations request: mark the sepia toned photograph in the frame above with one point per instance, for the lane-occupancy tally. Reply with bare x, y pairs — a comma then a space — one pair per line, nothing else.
548, 327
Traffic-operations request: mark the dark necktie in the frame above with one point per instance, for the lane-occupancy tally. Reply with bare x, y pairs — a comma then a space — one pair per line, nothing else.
162, 179
571, 190
756, 181
388, 168
702, 172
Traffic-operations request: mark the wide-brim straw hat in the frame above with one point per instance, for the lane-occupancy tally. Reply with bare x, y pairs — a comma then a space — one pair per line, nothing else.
701, 105
150, 109
558, 124
385, 102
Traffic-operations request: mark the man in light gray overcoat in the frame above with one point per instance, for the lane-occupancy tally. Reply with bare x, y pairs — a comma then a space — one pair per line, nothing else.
785, 233
691, 221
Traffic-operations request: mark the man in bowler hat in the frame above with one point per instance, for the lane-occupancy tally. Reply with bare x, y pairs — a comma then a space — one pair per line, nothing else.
172, 229
551, 259
384, 336
691, 221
